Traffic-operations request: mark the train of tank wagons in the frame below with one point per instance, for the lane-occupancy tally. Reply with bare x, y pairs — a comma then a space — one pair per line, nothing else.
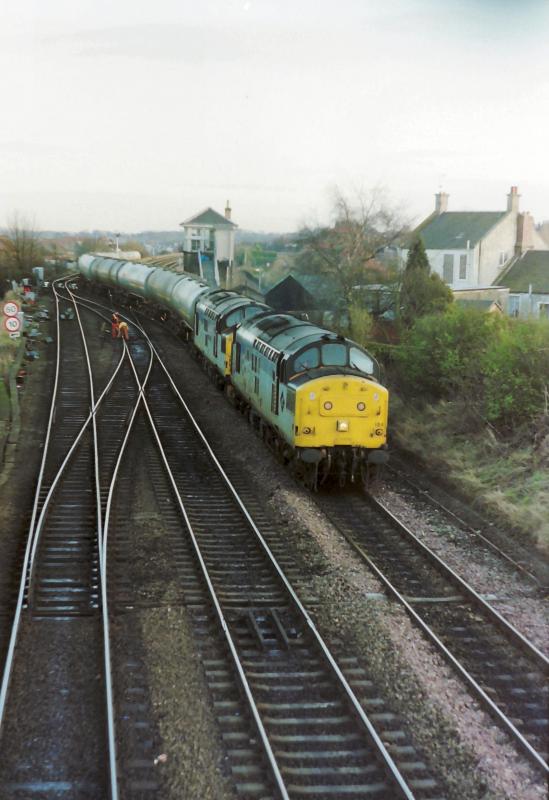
315, 396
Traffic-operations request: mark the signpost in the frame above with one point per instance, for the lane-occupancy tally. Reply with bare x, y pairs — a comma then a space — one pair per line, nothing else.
11, 309
12, 324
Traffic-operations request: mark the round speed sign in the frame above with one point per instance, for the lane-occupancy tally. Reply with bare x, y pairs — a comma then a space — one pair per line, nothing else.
12, 324
10, 309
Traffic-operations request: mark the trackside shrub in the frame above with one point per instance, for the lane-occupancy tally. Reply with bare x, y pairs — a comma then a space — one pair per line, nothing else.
439, 357
515, 369
497, 366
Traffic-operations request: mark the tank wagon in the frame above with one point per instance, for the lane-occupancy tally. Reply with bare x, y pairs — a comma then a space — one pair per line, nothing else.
315, 396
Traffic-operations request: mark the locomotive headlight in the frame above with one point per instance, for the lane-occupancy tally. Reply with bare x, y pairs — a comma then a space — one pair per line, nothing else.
328, 406
342, 425
361, 406
307, 430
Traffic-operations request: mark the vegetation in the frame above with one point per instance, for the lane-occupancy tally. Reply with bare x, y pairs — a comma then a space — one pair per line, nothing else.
349, 250
499, 363
421, 292
20, 250
472, 398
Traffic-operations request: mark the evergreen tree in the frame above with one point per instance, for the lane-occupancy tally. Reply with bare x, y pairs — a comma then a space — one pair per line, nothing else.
417, 257
421, 293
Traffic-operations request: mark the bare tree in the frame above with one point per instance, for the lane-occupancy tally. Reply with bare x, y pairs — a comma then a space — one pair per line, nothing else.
352, 249
22, 248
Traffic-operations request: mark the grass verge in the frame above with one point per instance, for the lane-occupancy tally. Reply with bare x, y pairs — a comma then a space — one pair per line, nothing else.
508, 478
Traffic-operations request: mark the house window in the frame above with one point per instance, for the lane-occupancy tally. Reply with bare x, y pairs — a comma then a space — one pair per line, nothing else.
514, 305
463, 268
502, 258
448, 268
195, 244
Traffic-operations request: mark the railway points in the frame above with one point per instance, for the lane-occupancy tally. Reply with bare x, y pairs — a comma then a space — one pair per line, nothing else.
237, 610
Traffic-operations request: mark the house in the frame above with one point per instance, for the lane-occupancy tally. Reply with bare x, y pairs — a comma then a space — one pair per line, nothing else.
528, 281
211, 236
471, 249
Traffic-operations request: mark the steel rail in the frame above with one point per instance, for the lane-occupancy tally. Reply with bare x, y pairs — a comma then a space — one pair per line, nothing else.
224, 626
26, 558
467, 677
532, 651
500, 620
104, 585
111, 734
448, 511
390, 765
34, 533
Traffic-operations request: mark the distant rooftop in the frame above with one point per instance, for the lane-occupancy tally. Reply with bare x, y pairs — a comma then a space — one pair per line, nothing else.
532, 268
210, 217
453, 229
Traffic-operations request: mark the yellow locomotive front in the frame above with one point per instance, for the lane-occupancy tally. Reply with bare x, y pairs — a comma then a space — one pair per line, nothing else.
340, 424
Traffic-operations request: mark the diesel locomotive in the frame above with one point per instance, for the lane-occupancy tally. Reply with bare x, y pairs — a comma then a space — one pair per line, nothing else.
315, 396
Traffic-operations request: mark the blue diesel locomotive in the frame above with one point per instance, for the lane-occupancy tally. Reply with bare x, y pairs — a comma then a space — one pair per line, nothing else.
315, 396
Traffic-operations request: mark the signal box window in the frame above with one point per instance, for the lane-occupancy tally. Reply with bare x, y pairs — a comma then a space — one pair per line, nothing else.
463, 268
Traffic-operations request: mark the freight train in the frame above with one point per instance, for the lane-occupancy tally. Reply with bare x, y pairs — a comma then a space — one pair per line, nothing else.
315, 396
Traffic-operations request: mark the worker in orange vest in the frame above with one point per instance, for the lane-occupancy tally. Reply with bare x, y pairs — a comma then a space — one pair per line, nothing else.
123, 331
115, 322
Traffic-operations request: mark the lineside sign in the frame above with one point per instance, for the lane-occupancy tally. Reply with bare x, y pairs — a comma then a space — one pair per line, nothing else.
11, 309
12, 324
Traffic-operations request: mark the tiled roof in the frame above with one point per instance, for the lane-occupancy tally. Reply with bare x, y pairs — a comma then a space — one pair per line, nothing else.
210, 217
530, 269
453, 229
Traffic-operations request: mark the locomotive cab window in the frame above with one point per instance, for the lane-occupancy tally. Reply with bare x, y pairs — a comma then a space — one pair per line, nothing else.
361, 361
308, 359
334, 355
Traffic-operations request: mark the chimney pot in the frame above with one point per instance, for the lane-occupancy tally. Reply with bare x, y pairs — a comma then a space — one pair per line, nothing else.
441, 202
227, 211
513, 199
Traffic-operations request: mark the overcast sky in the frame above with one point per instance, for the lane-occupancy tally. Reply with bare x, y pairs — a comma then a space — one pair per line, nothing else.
132, 115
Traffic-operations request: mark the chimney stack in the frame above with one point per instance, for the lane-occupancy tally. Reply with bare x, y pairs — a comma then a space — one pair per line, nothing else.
513, 200
441, 202
227, 211
525, 233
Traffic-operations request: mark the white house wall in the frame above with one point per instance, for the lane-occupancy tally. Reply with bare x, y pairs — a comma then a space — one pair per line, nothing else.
529, 304
501, 239
436, 262
224, 244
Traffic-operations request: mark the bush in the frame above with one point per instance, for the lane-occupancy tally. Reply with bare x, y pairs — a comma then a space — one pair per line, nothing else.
498, 366
515, 369
439, 356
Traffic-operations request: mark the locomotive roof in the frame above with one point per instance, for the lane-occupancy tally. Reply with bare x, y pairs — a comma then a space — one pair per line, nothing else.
284, 332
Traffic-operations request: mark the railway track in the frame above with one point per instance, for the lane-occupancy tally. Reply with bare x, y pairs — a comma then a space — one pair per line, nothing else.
296, 722
56, 684
506, 672
460, 623
485, 535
